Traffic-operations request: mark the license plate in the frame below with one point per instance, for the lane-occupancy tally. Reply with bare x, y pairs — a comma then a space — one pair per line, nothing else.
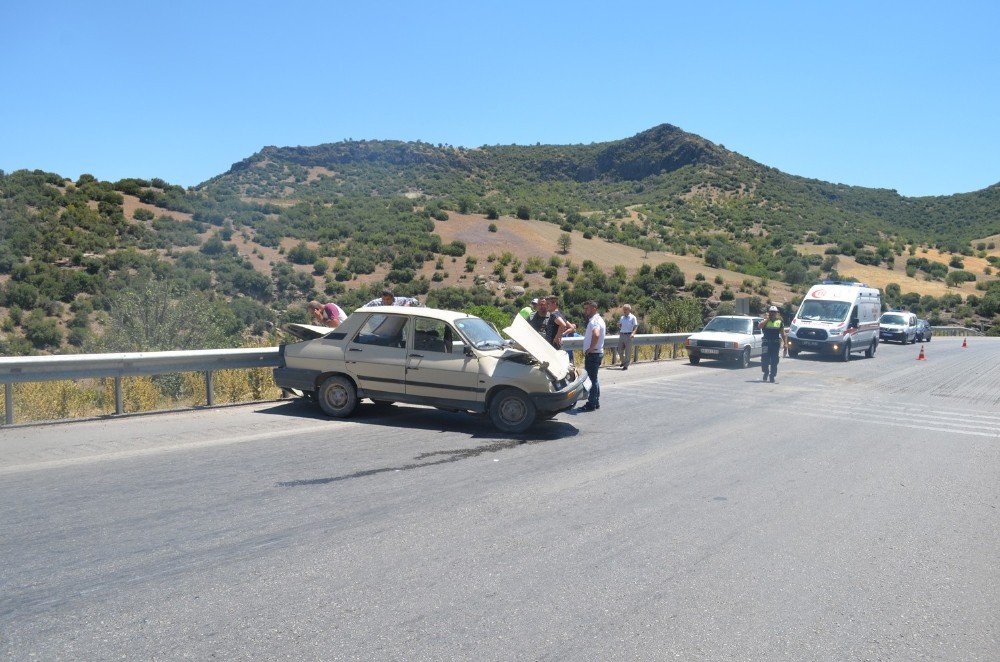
807, 343
709, 351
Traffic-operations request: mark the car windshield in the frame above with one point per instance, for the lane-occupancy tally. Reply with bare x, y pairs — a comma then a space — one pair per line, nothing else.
892, 319
480, 333
729, 324
824, 311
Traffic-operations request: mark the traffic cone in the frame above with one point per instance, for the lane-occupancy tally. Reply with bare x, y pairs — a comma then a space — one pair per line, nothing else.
965, 344
921, 357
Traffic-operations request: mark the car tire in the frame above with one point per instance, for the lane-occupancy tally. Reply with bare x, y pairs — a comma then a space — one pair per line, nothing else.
338, 397
512, 411
929, 338
793, 353
694, 360
870, 352
744, 360
845, 355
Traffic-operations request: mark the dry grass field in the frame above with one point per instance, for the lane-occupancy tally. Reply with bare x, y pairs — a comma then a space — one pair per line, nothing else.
880, 276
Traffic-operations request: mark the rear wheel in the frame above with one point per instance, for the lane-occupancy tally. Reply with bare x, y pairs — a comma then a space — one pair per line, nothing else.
846, 354
512, 411
338, 397
744, 359
870, 352
695, 360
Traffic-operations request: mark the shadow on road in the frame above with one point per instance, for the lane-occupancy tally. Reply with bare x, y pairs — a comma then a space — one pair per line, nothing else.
420, 418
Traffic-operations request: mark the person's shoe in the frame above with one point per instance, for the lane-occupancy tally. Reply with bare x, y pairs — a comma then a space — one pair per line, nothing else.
764, 378
772, 380
624, 367
589, 407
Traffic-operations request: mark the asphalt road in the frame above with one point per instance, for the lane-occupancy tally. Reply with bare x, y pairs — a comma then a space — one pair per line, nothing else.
848, 512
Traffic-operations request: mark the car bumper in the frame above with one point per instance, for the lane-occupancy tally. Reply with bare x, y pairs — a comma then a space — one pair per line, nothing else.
296, 378
562, 399
724, 353
897, 336
818, 346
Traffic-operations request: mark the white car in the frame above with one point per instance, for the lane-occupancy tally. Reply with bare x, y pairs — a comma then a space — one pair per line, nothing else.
727, 338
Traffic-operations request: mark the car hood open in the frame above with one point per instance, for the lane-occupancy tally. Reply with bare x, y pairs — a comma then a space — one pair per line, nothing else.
553, 361
307, 331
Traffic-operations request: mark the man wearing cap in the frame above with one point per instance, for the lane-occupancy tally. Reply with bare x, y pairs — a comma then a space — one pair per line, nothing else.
775, 338
528, 310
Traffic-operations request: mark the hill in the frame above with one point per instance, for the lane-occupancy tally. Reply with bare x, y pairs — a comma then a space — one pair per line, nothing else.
648, 218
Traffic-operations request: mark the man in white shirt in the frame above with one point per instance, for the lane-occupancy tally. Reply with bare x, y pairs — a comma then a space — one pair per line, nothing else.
626, 332
593, 349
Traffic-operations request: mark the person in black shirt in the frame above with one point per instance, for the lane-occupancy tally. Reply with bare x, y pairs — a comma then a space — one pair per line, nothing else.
558, 325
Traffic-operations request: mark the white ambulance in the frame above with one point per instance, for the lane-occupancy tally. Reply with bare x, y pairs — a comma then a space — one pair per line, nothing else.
837, 318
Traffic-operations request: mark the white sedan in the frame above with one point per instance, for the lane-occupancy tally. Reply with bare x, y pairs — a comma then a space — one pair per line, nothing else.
726, 337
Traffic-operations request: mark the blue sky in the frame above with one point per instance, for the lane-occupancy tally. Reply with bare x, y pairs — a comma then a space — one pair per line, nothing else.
901, 95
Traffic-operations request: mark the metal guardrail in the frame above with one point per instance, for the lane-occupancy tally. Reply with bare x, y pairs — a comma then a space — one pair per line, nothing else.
955, 331
15, 370
137, 364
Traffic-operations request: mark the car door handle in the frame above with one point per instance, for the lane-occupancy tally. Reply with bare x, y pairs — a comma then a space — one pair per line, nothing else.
416, 356
354, 349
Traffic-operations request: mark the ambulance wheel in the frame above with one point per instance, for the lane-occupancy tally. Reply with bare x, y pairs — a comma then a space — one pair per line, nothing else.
845, 355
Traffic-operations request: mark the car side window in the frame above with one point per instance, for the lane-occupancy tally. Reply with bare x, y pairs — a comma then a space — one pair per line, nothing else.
430, 335
383, 331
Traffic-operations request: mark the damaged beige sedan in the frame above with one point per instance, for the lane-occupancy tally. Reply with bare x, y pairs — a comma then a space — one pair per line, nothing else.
445, 359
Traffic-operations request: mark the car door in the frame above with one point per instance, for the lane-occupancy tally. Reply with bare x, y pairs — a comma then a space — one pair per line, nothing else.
376, 356
438, 369
756, 346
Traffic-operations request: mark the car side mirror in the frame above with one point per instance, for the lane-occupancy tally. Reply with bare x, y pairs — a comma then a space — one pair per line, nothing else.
468, 351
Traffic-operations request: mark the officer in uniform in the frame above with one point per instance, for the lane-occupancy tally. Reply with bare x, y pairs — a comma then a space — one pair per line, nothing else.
775, 338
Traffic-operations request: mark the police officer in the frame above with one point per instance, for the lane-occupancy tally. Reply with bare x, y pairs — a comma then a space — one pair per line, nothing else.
775, 338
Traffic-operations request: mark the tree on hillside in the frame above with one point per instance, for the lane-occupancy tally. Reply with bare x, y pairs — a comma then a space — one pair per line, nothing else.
564, 242
152, 316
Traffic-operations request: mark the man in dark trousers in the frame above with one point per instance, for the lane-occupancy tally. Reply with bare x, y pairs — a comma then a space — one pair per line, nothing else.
775, 338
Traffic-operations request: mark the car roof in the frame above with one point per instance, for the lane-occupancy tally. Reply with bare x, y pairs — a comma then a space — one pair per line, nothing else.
417, 311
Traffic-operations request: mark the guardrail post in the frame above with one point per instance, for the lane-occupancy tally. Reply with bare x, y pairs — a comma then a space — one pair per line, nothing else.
119, 404
209, 388
8, 403
673, 351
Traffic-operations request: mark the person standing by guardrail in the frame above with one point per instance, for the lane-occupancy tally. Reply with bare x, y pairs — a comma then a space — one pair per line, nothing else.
775, 338
626, 332
593, 349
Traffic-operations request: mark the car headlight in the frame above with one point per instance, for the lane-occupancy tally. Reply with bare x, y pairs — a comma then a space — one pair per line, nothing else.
690, 343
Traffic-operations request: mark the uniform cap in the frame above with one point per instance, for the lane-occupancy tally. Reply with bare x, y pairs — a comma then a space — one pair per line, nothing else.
772, 309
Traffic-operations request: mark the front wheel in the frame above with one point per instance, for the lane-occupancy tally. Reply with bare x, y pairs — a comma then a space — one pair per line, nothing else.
694, 360
744, 359
512, 411
338, 397
793, 353
845, 356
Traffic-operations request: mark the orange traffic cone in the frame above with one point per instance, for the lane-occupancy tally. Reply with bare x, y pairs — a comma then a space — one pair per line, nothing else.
965, 344
921, 357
